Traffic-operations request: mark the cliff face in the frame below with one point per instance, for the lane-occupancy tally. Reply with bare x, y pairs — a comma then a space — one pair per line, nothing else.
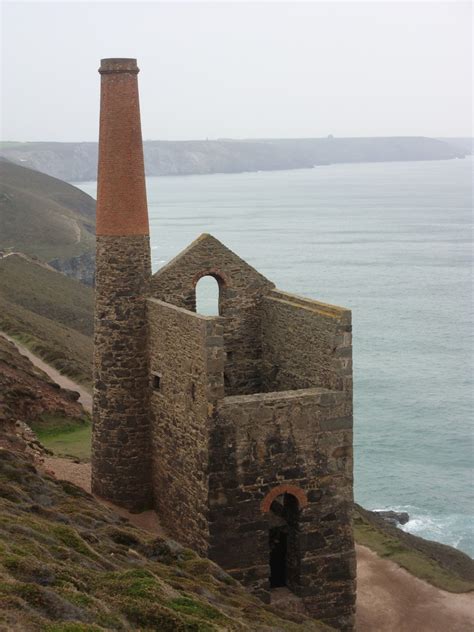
81, 268
76, 162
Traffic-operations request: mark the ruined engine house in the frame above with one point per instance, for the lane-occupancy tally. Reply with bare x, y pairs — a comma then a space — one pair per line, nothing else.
236, 428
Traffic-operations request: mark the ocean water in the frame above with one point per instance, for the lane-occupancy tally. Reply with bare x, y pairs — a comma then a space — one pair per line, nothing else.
392, 241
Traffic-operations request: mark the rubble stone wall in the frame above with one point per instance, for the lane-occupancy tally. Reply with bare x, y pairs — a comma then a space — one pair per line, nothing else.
305, 344
187, 360
241, 289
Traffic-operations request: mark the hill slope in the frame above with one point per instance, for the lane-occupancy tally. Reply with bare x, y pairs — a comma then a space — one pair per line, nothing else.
50, 313
69, 564
46, 218
78, 161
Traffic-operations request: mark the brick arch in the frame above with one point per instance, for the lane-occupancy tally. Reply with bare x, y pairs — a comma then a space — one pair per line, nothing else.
297, 492
217, 274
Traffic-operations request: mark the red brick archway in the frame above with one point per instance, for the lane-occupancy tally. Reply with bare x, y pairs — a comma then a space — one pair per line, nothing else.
218, 275
297, 492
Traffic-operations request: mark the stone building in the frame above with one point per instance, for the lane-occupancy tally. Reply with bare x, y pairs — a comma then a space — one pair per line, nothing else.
237, 428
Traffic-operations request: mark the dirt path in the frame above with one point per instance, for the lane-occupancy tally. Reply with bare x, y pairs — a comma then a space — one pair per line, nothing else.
80, 475
36, 262
75, 226
389, 599
85, 397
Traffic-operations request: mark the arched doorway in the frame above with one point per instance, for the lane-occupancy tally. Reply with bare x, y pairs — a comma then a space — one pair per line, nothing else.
283, 542
283, 504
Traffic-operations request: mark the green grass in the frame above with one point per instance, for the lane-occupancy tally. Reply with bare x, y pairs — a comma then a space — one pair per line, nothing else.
65, 437
414, 561
187, 605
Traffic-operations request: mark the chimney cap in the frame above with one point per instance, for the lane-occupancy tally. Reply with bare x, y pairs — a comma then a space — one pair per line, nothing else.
118, 65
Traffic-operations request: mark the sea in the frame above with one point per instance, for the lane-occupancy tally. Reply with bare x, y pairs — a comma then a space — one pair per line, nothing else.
393, 242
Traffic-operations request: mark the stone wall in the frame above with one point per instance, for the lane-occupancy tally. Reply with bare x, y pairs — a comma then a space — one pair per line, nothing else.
187, 362
121, 431
241, 289
305, 344
299, 440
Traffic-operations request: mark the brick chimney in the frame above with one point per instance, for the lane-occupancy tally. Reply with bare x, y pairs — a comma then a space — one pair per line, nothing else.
121, 416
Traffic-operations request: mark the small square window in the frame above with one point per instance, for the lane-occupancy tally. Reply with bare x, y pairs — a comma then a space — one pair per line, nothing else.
156, 381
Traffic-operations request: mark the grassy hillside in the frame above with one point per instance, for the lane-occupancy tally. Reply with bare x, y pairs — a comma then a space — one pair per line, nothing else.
42, 216
27, 393
69, 564
50, 313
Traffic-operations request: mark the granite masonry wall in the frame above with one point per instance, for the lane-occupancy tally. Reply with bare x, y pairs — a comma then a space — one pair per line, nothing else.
121, 431
298, 442
241, 290
187, 362
305, 344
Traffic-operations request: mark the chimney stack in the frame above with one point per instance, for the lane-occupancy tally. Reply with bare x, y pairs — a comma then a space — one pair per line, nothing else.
121, 454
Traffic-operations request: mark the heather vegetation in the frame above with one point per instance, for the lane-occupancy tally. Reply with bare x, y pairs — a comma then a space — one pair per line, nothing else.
69, 564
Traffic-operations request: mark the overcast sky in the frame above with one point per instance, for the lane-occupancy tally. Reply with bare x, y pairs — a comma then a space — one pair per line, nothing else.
241, 70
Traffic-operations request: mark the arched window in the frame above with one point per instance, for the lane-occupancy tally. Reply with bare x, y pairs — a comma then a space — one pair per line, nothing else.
207, 296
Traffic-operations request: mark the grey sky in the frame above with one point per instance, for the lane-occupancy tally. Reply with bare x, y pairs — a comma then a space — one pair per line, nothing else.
241, 70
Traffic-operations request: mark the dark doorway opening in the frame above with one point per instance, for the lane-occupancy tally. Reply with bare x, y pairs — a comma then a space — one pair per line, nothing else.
278, 552
283, 542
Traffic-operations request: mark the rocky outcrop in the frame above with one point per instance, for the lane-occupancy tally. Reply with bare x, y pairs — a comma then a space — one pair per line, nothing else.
75, 162
81, 268
394, 517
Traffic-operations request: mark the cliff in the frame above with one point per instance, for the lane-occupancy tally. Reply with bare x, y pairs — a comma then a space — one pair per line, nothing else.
76, 162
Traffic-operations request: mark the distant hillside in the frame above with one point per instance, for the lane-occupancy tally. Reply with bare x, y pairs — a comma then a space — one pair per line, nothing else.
43, 217
50, 313
78, 161
463, 144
